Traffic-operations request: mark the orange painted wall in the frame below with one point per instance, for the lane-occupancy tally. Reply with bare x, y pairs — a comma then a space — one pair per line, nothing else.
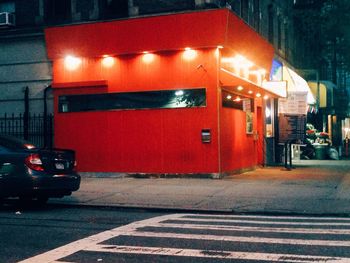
151, 140
238, 149
155, 140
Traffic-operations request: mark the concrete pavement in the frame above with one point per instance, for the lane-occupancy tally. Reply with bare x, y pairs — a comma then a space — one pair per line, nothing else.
313, 187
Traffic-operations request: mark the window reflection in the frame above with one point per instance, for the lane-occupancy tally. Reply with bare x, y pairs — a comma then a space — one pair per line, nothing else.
183, 98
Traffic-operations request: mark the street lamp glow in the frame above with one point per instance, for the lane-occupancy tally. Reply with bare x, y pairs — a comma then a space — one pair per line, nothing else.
267, 112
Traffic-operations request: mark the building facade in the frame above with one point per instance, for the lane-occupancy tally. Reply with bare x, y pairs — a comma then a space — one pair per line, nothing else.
190, 103
23, 57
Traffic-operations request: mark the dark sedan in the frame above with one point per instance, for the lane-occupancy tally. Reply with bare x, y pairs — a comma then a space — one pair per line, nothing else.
29, 172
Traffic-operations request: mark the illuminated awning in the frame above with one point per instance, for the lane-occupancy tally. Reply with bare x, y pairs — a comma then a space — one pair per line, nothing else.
325, 88
279, 88
236, 83
297, 84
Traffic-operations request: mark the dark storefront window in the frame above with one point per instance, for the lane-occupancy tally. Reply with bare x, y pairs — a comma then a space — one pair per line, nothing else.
245, 10
58, 11
270, 24
279, 34
114, 9
184, 98
256, 11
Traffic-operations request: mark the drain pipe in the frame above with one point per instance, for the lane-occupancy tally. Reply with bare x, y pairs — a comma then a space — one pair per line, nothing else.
45, 117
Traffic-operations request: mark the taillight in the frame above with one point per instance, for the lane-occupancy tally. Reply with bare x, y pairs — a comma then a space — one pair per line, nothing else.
34, 162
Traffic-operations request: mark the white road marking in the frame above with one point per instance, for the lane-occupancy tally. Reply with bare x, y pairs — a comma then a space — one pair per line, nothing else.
85, 243
179, 252
284, 241
330, 224
256, 228
275, 218
92, 243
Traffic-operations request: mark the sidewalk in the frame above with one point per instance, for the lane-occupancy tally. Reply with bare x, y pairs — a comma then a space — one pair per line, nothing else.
313, 187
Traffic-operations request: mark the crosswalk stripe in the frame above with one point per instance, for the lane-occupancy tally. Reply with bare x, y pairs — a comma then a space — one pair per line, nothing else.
275, 218
71, 248
255, 228
285, 241
180, 252
260, 222
137, 229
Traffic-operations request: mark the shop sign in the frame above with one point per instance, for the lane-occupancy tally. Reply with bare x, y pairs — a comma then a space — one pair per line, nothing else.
292, 127
295, 103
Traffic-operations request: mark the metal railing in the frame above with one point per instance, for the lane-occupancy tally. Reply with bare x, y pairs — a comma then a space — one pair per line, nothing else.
36, 128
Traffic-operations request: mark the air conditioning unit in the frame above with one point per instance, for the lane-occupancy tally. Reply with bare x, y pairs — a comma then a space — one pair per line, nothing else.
7, 19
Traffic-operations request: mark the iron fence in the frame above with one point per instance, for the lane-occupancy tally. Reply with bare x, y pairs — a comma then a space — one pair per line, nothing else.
36, 128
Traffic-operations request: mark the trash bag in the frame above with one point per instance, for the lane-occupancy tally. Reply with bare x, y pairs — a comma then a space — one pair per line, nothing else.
333, 153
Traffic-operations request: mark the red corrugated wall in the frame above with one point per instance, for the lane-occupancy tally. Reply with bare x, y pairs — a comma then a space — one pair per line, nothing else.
157, 140
150, 140
240, 150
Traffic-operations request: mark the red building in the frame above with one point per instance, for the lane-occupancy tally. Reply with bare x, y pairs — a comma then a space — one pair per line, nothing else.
178, 93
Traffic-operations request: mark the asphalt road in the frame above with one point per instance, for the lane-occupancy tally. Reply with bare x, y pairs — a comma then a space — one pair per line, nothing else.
31, 230
82, 234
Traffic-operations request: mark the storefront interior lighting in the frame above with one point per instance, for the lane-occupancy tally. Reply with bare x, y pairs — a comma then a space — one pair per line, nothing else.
148, 57
258, 95
250, 92
72, 63
266, 97
179, 93
189, 54
240, 88
108, 61
267, 112
228, 97
238, 98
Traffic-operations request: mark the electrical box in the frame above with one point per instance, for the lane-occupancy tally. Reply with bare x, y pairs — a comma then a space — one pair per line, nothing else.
206, 136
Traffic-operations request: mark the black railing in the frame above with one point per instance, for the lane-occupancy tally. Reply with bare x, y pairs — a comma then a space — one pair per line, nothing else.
35, 128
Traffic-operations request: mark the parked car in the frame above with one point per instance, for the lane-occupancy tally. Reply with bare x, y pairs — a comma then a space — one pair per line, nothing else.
29, 172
